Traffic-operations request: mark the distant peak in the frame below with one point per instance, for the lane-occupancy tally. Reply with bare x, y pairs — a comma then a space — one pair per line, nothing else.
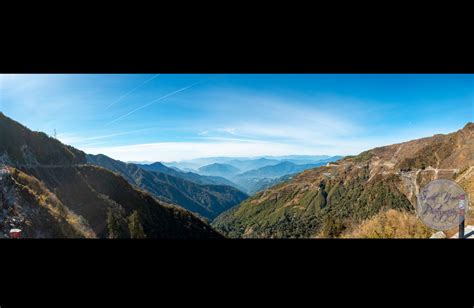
218, 164
286, 163
157, 164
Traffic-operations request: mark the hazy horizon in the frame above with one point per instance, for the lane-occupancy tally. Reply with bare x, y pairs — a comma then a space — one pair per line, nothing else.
167, 118
231, 157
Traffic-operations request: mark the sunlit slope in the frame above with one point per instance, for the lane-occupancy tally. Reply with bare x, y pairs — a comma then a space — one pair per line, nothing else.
332, 200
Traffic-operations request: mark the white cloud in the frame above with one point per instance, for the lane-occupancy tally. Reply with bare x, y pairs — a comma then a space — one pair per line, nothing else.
265, 116
232, 147
228, 130
232, 122
171, 151
254, 125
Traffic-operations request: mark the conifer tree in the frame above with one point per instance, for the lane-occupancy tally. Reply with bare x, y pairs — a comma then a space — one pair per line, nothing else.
135, 226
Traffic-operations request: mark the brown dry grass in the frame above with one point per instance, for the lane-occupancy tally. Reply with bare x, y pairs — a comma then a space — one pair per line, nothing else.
390, 224
49, 201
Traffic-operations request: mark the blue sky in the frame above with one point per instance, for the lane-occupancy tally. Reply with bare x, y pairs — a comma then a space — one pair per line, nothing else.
165, 117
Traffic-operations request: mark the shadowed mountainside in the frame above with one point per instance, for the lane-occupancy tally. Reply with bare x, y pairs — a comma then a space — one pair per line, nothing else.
47, 190
206, 200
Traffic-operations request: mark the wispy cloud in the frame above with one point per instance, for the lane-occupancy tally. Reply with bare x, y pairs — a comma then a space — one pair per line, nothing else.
152, 102
131, 91
266, 117
236, 116
231, 139
251, 125
75, 139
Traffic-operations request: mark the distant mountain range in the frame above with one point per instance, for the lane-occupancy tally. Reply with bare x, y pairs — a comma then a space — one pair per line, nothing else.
252, 185
207, 200
250, 164
253, 175
279, 170
190, 176
222, 170
245, 163
49, 190
255, 180
365, 195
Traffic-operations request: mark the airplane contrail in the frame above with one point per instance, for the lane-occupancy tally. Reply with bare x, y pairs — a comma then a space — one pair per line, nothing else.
152, 102
117, 134
131, 91
80, 140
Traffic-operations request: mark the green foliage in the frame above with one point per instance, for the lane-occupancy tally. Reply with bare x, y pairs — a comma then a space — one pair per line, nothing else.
116, 223
362, 157
328, 210
332, 226
429, 155
135, 227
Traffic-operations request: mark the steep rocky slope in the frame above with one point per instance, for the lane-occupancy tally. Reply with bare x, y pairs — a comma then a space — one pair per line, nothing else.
27, 204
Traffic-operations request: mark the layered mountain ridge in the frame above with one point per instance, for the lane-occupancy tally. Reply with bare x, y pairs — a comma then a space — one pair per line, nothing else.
48, 190
334, 199
258, 174
204, 199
